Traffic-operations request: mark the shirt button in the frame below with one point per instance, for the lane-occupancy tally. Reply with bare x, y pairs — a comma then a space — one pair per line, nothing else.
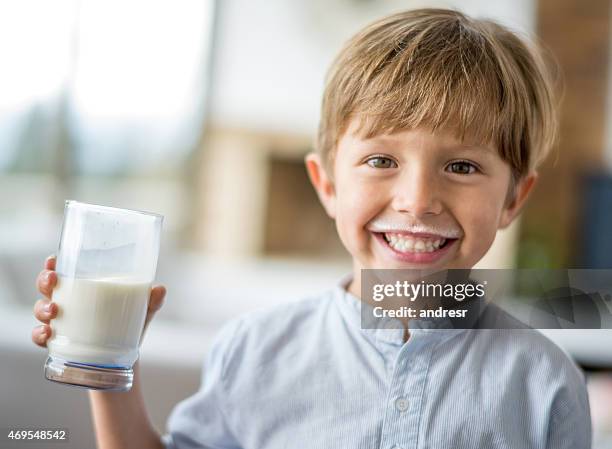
401, 404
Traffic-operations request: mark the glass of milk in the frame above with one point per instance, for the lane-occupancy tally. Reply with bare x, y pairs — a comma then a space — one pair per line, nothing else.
105, 266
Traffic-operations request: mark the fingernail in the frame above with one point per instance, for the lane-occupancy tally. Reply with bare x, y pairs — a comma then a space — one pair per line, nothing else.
47, 308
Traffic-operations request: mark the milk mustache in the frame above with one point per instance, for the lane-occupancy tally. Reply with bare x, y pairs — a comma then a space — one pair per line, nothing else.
99, 320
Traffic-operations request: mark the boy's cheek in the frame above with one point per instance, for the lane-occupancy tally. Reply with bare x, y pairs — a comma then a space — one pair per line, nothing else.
478, 216
350, 239
352, 218
478, 249
482, 234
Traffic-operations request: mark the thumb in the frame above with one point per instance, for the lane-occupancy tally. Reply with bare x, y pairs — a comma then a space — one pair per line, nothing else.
158, 293
156, 300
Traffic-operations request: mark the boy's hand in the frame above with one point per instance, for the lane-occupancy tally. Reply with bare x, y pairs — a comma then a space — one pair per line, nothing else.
45, 310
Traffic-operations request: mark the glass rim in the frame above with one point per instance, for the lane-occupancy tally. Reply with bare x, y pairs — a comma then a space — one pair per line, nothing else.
119, 210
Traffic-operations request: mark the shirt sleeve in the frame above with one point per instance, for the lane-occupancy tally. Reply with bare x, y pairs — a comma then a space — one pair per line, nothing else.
570, 420
200, 421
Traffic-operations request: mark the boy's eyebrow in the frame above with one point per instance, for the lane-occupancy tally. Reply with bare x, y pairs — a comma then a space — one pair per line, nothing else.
453, 146
475, 147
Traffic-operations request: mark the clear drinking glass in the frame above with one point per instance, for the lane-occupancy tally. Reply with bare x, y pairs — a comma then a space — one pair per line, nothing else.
105, 266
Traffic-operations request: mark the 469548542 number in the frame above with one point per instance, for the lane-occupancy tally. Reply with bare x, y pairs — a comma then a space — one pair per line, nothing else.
36, 434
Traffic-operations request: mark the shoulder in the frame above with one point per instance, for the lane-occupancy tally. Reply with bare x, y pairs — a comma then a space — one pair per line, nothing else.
543, 369
527, 350
258, 337
291, 317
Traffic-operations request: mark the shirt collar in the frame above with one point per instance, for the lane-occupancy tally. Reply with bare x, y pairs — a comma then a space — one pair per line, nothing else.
387, 330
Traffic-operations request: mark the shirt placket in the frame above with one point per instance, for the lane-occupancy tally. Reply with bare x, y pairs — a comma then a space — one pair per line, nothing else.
406, 393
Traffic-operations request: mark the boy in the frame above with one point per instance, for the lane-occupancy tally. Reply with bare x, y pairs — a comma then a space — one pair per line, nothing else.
432, 127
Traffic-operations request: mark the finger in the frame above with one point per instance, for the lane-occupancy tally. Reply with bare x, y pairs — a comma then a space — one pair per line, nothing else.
46, 281
40, 335
45, 310
156, 300
50, 262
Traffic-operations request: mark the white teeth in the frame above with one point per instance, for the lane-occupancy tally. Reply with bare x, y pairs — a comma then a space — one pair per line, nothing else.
405, 243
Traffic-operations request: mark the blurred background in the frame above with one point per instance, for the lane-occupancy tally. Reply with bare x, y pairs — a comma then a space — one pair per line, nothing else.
203, 111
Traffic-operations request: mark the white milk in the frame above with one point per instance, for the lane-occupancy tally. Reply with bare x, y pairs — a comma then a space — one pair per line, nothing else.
99, 321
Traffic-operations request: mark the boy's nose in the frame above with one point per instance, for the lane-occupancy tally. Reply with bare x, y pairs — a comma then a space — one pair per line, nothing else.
417, 194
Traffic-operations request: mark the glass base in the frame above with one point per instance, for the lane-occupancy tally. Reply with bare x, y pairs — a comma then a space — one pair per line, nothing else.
93, 377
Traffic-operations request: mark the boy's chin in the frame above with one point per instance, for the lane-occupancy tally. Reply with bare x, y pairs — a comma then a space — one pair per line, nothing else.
401, 265
409, 266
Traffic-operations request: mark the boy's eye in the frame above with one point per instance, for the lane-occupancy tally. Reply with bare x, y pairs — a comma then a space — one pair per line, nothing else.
463, 168
381, 162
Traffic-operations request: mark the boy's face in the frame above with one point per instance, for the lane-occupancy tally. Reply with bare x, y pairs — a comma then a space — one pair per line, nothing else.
414, 199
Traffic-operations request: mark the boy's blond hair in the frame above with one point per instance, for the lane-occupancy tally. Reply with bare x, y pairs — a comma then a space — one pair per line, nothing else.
441, 69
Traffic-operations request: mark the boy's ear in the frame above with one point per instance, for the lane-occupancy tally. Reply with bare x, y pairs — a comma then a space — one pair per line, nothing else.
521, 191
322, 183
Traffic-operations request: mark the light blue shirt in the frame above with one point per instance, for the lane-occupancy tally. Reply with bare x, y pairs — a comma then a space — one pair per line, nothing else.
306, 375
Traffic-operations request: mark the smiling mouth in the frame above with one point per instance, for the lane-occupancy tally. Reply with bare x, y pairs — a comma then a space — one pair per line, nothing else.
411, 244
